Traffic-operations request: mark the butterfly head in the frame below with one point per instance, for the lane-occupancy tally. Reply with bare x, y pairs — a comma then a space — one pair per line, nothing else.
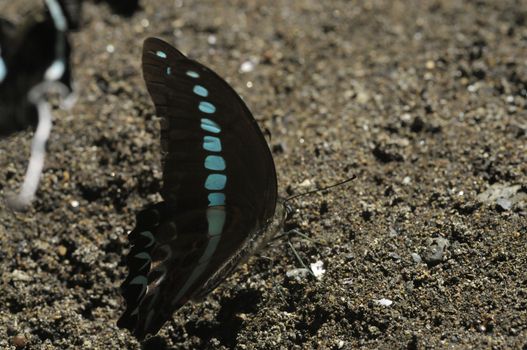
288, 211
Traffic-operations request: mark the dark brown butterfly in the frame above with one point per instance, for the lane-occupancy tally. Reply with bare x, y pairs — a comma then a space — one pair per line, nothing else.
219, 191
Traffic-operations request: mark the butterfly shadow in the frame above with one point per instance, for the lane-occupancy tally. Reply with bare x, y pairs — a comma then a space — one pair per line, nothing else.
224, 327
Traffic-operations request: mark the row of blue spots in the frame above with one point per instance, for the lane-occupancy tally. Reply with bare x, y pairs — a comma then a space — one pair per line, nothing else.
215, 182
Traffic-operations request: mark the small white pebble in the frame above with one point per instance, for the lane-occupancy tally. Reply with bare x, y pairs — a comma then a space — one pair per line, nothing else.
306, 183
347, 281
18, 275
383, 302
407, 180
145, 23
318, 269
212, 40
74, 204
406, 117
247, 66
110, 48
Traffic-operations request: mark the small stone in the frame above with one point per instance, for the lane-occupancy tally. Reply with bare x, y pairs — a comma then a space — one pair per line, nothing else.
406, 117
436, 250
62, 250
416, 258
19, 341
394, 256
430, 64
383, 302
247, 66
318, 269
362, 97
504, 196
212, 40
306, 183
504, 203
297, 274
18, 275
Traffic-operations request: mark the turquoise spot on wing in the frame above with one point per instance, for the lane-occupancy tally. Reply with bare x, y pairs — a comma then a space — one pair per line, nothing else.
192, 74
216, 220
207, 107
150, 237
212, 144
161, 54
3, 70
210, 126
215, 182
169, 70
215, 163
216, 198
143, 256
200, 91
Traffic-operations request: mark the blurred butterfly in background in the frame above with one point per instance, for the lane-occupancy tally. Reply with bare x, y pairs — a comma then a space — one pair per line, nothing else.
34, 62
219, 191
34, 54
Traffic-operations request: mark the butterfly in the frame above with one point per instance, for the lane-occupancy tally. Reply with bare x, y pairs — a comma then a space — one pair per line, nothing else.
220, 201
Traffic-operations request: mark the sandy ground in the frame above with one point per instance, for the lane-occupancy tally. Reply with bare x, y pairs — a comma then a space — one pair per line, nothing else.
424, 101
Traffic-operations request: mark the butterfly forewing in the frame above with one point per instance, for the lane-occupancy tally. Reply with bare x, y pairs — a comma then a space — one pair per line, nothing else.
219, 189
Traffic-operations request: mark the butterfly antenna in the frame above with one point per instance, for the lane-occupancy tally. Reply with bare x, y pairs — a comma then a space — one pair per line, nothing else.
298, 233
321, 189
